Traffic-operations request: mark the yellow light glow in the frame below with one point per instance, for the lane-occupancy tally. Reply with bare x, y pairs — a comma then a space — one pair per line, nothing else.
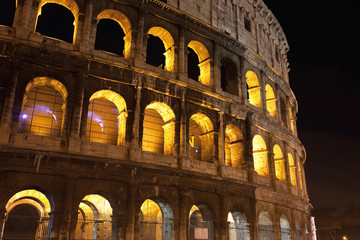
168, 41
125, 24
234, 147
150, 208
69, 4
270, 101
253, 89
260, 156
279, 163
102, 205
292, 169
204, 61
45, 81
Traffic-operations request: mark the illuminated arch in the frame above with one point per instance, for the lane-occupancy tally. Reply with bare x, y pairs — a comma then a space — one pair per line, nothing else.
270, 100
201, 137
168, 42
125, 24
43, 107
260, 155
234, 147
253, 88
204, 61
201, 223
285, 228
107, 107
300, 175
292, 119
238, 226
265, 226
156, 220
159, 128
279, 163
69, 4
292, 167
29, 198
94, 218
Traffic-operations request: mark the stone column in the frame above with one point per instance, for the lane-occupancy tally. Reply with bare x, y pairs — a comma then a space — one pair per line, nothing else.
2, 222
183, 214
271, 162
132, 216
182, 55
183, 129
136, 123
6, 123
249, 161
287, 168
221, 139
254, 226
86, 30
139, 58
66, 210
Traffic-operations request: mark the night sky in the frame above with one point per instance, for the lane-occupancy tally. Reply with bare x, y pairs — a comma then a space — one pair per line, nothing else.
323, 57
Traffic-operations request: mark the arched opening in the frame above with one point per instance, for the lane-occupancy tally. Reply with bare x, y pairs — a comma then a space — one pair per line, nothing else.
300, 175
279, 163
253, 89
43, 107
156, 220
238, 226
229, 76
285, 228
193, 65
199, 62
56, 21
201, 138
201, 224
7, 12
94, 218
113, 33
292, 167
158, 128
292, 119
106, 121
283, 110
234, 147
109, 37
28, 216
260, 156
160, 50
266, 230
270, 101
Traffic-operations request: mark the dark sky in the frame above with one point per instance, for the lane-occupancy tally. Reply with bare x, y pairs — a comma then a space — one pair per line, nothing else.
323, 57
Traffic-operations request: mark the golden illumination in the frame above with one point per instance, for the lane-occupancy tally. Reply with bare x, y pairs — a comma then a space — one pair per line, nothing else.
300, 174
201, 136
292, 120
270, 100
151, 222
260, 156
120, 104
292, 169
168, 41
253, 89
279, 163
234, 147
204, 61
125, 24
69, 4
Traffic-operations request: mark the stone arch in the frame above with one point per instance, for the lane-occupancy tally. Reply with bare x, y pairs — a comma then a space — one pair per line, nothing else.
283, 111
95, 218
238, 225
265, 225
204, 62
7, 12
201, 222
270, 100
201, 137
156, 220
229, 76
292, 168
70, 5
125, 25
159, 128
168, 43
260, 155
253, 89
43, 107
279, 163
234, 147
28, 214
107, 115
285, 228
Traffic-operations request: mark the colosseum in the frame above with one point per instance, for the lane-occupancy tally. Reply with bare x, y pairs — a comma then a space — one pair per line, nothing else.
148, 119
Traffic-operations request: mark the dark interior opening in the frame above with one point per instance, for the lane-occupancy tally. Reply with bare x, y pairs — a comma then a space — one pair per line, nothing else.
56, 21
229, 81
193, 65
7, 12
110, 37
155, 52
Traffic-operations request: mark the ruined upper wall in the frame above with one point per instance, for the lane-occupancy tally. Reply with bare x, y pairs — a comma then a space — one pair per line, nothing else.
264, 36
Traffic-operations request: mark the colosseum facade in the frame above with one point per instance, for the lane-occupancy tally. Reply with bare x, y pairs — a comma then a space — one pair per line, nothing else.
148, 119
